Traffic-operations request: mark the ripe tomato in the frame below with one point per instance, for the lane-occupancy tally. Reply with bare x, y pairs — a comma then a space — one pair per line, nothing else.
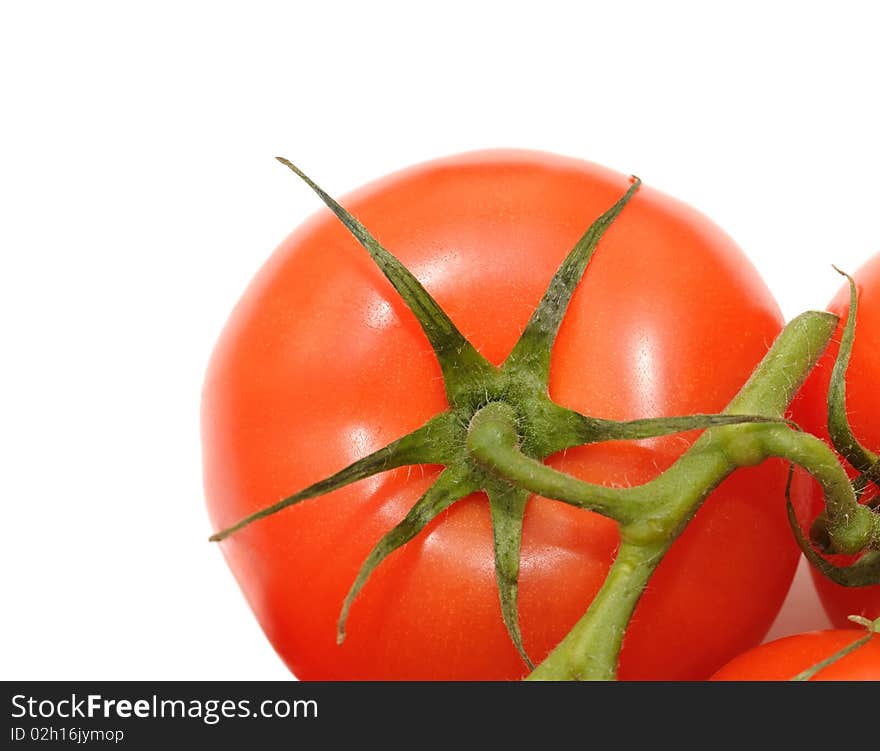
841, 601
320, 364
783, 659
863, 406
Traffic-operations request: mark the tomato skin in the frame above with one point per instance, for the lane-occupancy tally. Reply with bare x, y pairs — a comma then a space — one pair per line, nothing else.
783, 659
863, 408
320, 363
840, 602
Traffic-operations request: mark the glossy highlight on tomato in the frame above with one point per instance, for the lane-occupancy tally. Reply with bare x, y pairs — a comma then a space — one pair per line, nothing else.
863, 409
783, 659
321, 363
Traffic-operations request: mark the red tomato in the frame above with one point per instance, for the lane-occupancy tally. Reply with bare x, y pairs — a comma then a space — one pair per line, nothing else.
320, 364
842, 601
863, 406
783, 659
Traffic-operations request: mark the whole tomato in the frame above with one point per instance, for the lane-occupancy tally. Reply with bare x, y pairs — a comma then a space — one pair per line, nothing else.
783, 659
320, 364
862, 407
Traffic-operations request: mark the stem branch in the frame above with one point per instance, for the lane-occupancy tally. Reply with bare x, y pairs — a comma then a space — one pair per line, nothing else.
493, 441
590, 650
851, 527
666, 504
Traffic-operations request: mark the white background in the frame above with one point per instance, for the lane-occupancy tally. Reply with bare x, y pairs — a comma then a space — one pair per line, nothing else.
138, 195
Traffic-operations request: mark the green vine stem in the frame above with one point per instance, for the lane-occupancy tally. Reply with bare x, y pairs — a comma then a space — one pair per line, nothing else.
651, 516
591, 649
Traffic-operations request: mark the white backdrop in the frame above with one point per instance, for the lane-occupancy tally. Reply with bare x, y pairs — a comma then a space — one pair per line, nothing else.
138, 194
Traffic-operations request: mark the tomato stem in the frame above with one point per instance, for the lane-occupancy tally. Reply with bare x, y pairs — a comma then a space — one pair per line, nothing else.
865, 571
658, 511
590, 650
851, 527
493, 441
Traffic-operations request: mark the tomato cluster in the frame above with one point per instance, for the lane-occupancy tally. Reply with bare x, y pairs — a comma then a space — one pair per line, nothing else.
321, 364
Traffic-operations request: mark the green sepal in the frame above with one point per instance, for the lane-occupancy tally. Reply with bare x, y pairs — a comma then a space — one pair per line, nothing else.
433, 443
596, 430
532, 351
453, 484
462, 366
507, 504
839, 429
555, 428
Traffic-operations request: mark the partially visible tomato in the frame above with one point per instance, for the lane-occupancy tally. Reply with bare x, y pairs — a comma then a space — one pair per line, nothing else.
839, 601
863, 411
321, 363
783, 659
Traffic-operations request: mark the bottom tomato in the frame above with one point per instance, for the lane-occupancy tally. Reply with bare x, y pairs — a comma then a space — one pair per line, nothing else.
783, 659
